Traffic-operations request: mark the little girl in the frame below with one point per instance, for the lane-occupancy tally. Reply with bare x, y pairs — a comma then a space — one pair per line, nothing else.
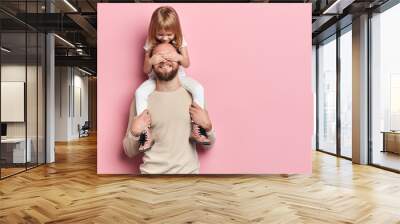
165, 28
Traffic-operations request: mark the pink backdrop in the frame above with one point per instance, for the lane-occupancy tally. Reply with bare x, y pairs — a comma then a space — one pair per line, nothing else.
254, 61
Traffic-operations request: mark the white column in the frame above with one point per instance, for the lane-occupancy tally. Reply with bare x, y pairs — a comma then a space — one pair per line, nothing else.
360, 90
50, 93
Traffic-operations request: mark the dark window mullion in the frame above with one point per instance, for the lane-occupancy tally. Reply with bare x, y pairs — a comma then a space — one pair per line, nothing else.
369, 90
0, 98
26, 86
37, 89
338, 91
317, 96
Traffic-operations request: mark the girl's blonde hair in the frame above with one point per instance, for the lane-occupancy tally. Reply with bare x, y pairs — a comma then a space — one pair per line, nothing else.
165, 18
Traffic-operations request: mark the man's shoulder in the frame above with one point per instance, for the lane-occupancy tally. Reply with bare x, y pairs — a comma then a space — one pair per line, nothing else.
186, 94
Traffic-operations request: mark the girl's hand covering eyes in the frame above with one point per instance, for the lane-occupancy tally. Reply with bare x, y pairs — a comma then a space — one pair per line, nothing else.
156, 59
172, 56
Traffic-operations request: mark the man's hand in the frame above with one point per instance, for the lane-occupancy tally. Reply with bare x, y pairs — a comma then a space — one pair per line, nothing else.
200, 116
140, 122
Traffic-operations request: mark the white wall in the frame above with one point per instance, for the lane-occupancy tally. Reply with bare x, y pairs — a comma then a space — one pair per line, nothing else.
69, 82
80, 83
61, 103
15, 72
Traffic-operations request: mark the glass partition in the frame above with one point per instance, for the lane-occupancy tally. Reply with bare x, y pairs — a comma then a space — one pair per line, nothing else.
14, 155
22, 78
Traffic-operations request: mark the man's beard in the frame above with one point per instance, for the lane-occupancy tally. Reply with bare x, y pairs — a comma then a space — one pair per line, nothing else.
168, 76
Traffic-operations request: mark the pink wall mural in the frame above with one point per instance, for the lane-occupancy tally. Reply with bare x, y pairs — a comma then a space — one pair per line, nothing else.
254, 61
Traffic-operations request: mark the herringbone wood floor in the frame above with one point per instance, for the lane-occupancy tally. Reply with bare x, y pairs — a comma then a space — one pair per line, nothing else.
70, 191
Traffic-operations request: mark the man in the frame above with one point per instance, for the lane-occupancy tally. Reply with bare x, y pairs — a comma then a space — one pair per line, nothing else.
169, 113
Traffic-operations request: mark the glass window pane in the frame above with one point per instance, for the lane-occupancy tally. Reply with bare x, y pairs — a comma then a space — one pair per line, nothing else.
327, 96
346, 94
314, 78
385, 91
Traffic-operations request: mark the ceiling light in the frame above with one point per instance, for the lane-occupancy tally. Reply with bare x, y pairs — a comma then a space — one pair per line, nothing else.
338, 6
5, 50
70, 5
64, 40
84, 71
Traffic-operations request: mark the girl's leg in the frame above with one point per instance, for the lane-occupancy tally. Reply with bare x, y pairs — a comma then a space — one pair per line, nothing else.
142, 94
195, 88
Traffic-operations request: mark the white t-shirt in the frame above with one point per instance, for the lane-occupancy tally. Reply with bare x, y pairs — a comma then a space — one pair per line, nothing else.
147, 46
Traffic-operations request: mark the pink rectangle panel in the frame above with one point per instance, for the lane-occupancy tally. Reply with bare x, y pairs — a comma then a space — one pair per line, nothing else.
254, 61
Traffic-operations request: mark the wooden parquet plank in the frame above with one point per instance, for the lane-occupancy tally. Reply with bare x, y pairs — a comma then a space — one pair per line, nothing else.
70, 191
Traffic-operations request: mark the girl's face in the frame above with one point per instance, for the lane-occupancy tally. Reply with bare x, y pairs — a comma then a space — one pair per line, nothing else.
165, 36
